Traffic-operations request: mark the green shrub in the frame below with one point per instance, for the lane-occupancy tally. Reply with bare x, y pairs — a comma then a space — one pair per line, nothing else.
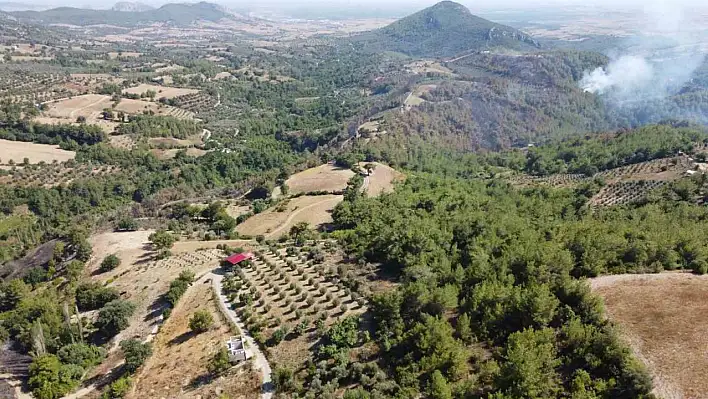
109, 263
201, 321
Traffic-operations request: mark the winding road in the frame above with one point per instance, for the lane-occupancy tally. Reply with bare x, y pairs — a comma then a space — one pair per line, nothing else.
260, 362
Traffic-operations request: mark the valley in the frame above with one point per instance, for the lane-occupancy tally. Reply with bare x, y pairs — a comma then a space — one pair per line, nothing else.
205, 202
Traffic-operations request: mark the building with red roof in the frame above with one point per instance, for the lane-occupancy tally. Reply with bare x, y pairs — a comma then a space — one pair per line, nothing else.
235, 259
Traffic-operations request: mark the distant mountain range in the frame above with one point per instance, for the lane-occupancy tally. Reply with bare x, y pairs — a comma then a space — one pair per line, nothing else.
444, 30
128, 14
128, 6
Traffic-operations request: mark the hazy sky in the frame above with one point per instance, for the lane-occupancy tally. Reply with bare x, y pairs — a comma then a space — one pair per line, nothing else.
401, 7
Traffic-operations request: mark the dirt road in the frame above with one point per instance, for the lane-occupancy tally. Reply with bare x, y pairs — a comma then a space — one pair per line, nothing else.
259, 360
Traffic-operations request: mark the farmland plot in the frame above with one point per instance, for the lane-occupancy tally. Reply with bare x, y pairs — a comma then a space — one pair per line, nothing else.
17, 151
325, 177
278, 290
162, 91
315, 210
663, 316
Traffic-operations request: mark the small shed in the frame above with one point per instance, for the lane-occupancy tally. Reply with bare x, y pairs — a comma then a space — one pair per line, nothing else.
235, 259
237, 353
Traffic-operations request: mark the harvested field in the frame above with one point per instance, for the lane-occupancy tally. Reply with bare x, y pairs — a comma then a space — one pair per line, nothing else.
17, 151
315, 210
107, 126
91, 107
179, 357
663, 317
381, 180
325, 177
162, 91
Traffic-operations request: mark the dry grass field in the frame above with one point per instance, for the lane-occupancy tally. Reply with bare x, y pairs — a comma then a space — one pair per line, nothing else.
91, 107
179, 357
17, 151
162, 91
142, 279
664, 317
381, 180
325, 177
315, 210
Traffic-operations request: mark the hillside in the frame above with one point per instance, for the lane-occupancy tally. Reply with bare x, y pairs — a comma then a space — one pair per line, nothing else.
444, 30
177, 14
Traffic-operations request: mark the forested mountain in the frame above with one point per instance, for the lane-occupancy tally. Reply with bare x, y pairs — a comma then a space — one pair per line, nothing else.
443, 30
178, 14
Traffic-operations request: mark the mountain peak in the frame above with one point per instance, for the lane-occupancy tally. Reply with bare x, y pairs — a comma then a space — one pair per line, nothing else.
443, 30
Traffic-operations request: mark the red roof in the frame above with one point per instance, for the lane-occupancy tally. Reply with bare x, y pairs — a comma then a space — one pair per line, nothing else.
238, 258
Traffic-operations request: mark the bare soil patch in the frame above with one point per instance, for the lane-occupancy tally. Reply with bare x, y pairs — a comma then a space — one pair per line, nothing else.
315, 210
382, 179
17, 151
91, 107
162, 91
179, 357
665, 318
325, 177
142, 279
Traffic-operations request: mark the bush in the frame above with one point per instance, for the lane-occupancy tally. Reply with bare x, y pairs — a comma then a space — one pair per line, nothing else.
113, 318
81, 354
109, 263
219, 362
49, 379
201, 321
92, 296
118, 389
135, 353
283, 379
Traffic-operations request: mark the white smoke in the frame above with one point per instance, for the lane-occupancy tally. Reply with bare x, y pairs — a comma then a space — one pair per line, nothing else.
657, 63
627, 74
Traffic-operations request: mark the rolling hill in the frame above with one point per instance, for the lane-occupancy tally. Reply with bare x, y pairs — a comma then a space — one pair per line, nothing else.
176, 14
444, 30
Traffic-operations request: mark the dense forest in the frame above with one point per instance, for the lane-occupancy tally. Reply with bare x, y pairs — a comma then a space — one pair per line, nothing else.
486, 280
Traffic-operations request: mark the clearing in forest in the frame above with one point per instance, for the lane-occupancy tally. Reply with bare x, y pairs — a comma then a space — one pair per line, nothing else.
381, 179
162, 91
664, 317
327, 177
315, 210
17, 151
177, 367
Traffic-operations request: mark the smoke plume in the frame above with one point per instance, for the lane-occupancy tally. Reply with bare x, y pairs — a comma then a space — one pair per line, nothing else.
654, 65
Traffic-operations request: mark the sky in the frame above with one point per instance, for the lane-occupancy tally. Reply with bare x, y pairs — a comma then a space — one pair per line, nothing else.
390, 7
